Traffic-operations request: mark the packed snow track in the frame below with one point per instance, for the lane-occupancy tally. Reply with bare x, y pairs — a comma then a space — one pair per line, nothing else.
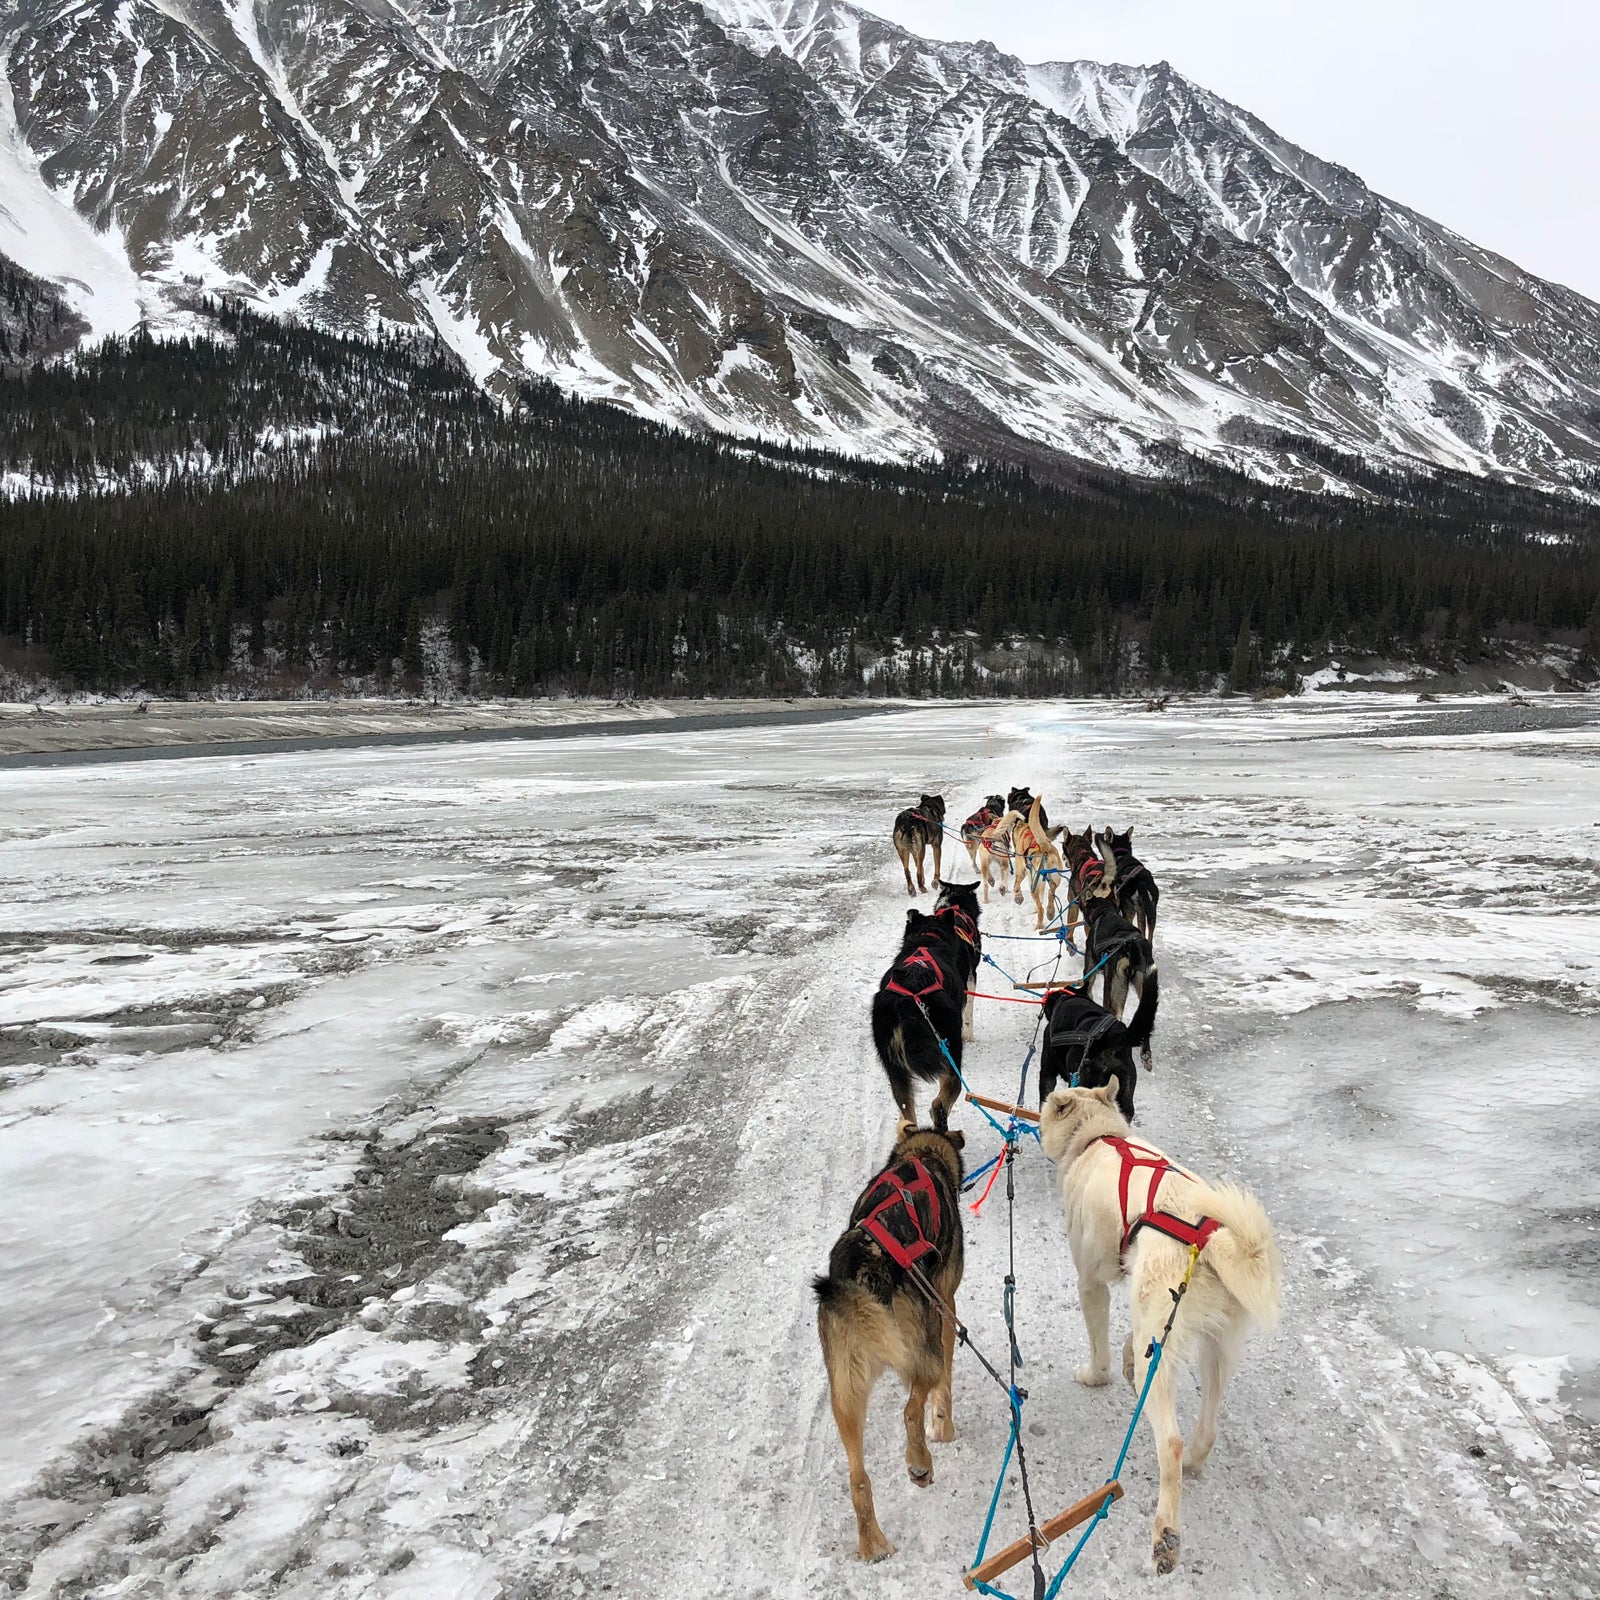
416, 1159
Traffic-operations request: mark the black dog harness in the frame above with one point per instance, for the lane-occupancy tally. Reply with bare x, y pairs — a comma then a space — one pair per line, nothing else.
899, 1204
1082, 1037
1118, 942
1134, 1158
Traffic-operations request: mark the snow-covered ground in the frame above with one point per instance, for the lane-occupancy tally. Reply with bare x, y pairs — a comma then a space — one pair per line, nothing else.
416, 1159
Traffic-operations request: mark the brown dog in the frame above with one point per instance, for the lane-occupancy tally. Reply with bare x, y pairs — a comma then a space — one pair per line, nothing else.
914, 831
1035, 857
888, 1300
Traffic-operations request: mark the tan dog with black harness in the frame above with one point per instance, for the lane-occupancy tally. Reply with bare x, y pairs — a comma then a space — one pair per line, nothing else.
888, 1301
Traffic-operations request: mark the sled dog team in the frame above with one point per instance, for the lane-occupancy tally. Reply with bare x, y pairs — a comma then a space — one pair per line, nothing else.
887, 1300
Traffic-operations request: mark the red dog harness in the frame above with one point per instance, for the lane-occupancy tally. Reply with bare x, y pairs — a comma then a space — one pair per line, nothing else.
966, 928
1134, 1157
923, 961
901, 1201
1089, 872
980, 820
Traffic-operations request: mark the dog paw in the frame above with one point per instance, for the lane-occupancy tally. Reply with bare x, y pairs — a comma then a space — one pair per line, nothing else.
943, 1430
1165, 1551
1092, 1377
922, 1477
873, 1547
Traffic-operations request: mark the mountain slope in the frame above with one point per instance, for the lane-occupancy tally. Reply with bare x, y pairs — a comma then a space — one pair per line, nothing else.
790, 220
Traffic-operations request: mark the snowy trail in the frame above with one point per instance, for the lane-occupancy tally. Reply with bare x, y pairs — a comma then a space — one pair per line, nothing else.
587, 1027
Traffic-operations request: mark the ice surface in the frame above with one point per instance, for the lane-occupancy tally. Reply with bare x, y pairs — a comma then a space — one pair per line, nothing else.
638, 970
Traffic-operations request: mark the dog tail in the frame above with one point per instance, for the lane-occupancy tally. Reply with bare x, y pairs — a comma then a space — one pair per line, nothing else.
904, 1057
1108, 859
1143, 1022
844, 1302
1243, 1252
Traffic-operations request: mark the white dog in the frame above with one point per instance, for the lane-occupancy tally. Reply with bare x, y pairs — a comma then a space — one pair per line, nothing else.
1129, 1209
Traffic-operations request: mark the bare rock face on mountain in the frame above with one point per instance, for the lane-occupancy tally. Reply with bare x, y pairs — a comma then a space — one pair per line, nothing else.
792, 220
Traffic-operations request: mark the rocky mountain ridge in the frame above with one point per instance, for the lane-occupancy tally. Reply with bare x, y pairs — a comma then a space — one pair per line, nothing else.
782, 218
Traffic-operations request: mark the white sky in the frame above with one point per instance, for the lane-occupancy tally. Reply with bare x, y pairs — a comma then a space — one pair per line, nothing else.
1483, 114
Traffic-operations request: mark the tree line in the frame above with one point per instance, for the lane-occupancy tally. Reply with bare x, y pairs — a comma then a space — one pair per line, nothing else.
280, 506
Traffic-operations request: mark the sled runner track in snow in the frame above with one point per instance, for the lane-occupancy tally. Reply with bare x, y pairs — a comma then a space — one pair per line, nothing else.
981, 1570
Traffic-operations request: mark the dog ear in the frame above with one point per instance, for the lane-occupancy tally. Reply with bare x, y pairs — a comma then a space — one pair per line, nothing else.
957, 1138
1128, 834
1110, 1092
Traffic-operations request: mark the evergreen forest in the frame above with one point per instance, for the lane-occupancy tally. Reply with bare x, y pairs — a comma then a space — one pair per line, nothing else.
282, 510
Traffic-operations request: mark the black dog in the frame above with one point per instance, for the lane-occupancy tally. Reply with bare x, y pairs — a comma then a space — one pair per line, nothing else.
915, 830
922, 1001
1122, 956
1087, 1046
1020, 801
1133, 885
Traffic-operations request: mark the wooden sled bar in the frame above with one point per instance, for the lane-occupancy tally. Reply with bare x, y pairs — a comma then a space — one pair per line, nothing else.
1049, 1532
1020, 1112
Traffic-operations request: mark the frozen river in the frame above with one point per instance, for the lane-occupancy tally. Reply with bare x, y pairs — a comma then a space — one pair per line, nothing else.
416, 1157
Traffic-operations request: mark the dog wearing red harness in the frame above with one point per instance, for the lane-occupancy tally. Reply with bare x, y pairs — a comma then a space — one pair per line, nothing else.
1034, 856
922, 1012
888, 1302
1132, 1212
981, 820
1085, 873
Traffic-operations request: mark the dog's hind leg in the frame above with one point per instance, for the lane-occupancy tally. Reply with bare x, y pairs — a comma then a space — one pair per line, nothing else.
903, 850
1219, 1356
939, 1113
944, 1421
938, 855
1116, 989
1137, 983
966, 1020
1162, 1410
905, 1097
1095, 1298
922, 856
850, 1414
918, 1461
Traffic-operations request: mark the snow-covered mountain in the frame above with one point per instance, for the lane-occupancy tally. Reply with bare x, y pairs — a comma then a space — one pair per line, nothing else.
781, 217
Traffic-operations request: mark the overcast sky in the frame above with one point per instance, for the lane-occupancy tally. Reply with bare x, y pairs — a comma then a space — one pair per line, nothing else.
1483, 114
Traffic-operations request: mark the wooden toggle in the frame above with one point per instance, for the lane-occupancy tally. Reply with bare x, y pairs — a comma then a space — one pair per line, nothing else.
1021, 1112
1049, 1532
